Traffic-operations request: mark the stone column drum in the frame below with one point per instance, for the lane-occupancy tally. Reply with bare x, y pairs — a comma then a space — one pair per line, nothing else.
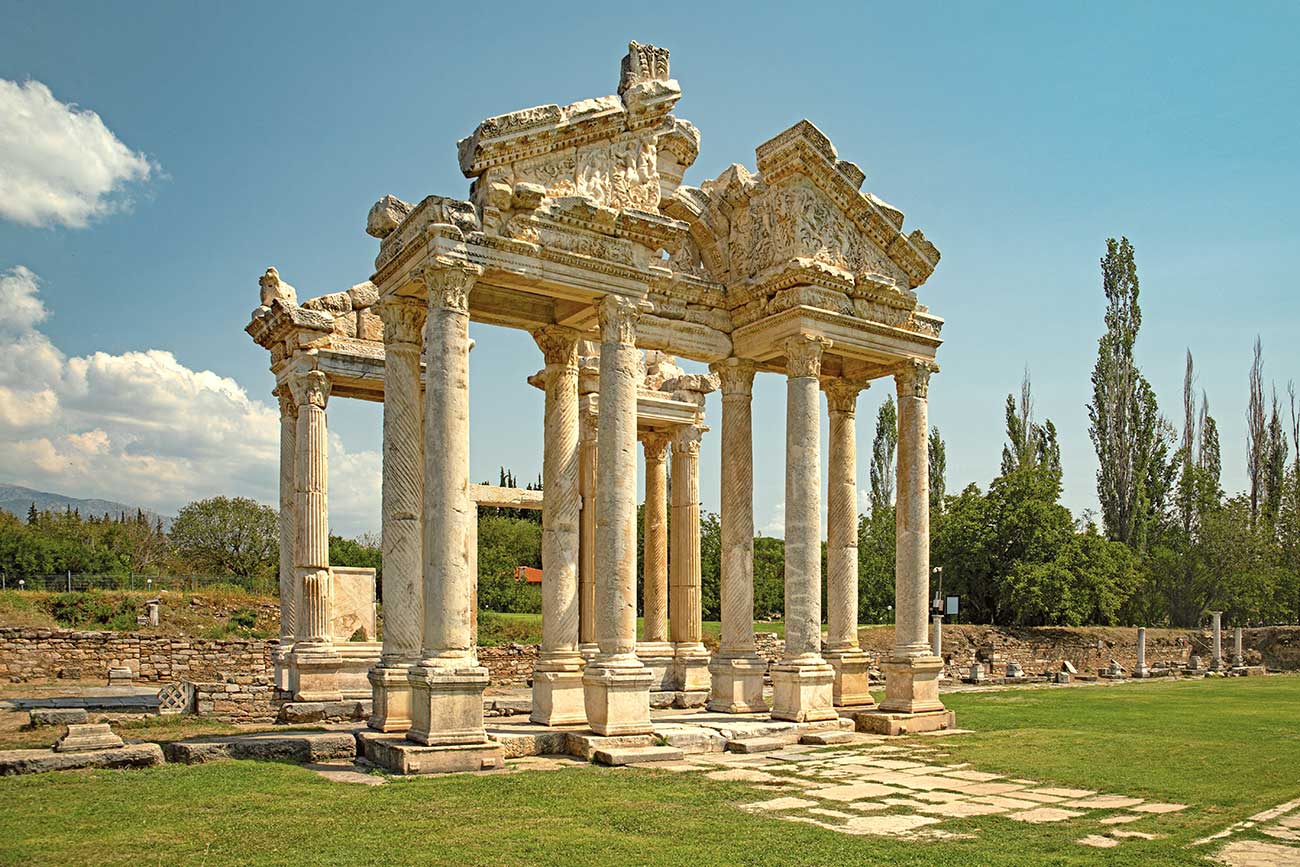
289, 591
447, 684
690, 658
1141, 669
736, 672
557, 677
912, 672
403, 507
616, 684
1238, 656
802, 682
936, 636
1216, 625
315, 661
843, 651
587, 526
654, 649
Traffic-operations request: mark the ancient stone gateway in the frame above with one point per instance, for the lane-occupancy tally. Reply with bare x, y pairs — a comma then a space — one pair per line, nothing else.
578, 230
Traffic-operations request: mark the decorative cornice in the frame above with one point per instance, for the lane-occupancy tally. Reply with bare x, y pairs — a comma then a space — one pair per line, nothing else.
559, 345
310, 388
842, 395
912, 378
403, 320
618, 319
803, 354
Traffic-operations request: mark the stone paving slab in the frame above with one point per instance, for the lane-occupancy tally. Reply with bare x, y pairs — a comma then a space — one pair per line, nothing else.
299, 747
1104, 802
15, 762
1042, 815
855, 792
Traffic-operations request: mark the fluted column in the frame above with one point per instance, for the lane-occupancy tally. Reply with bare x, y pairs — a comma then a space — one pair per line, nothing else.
911, 674
691, 659
557, 677
448, 682
1216, 625
843, 651
736, 672
289, 600
802, 681
1142, 669
654, 649
587, 526
403, 507
616, 684
315, 660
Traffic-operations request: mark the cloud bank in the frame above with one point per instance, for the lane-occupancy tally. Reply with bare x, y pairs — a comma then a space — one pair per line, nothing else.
60, 165
144, 429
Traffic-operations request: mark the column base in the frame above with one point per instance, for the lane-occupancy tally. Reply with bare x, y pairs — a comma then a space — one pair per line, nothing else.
588, 651
1142, 671
803, 691
912, 684
399, 755
316, 671
851, 687
558, 696
390, 697
617, 697
447, 704
282, 659
690, 667
736, 684
658, 657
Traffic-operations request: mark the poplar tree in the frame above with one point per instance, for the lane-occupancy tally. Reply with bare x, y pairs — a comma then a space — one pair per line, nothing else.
938, 469
883, 449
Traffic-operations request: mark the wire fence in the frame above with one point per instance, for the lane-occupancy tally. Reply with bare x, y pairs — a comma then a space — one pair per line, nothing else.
69, 582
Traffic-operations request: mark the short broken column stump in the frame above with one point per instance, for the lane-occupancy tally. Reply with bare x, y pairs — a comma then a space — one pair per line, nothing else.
395, 753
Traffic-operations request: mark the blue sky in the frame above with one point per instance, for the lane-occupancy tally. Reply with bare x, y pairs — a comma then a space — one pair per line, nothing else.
1018, 136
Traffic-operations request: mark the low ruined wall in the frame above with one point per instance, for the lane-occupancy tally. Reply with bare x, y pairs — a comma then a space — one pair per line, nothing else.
510, 664
50, 654
238, 698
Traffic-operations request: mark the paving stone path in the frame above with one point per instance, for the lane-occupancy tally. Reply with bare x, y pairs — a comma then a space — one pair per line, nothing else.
1280, 847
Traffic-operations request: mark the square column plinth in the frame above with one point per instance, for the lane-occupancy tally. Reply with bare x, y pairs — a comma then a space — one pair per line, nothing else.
316, 674
558, 697
803, 693
391, 698
737, 685
912, 685
447, 705
691, 668
617, 699
851, 687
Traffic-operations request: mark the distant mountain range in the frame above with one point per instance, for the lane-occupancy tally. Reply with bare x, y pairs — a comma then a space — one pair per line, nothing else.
17, 500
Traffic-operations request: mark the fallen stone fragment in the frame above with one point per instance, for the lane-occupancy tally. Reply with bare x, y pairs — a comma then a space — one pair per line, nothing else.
1099, 842
56, 716
14, 762
86, 737
1042, 815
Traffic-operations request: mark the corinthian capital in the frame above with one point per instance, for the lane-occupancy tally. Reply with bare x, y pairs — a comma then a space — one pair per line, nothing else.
288, 406
913, 378
735, 376
655, 444
686, 439
310, 388
403, 320
449, 285
559, 345
803, 353
842, 395
618, 318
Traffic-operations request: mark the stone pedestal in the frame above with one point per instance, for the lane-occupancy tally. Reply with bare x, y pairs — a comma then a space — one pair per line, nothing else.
401, 756
617, 698
851, 686
803, 692
447, 705
282, 661
736, 684
912, 685
658, 656
391, 698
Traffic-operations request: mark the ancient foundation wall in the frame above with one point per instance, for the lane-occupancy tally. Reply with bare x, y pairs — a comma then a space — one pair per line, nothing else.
28, 654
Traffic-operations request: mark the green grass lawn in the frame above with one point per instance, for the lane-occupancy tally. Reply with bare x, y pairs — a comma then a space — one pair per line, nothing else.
1229, 748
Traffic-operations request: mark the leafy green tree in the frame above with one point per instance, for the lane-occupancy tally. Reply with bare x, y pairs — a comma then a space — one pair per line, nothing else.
883, 448
365, 553
938, 472
876, 548
228, 536
505, 543
769, 578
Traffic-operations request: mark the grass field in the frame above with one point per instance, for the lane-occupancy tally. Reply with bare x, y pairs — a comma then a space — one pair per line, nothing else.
1228, 748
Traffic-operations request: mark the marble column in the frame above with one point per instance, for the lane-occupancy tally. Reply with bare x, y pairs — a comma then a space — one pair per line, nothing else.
587, 527
616, 684
447, 684
557, 677
1216, 624
736, 672
316, 662
1141, 670
654, 648
912, 672
936, 636
289, 591
686, 629
403, 507
1238, 656
842, 649
802, 682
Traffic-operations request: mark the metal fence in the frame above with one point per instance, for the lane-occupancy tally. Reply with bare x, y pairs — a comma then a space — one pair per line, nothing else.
72, 581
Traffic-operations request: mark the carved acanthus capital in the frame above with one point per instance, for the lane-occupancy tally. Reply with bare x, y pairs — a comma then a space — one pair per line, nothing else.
403, 320
735, 376
842, 395
913, 378
310, 388
449, 285
686, 439
587, 420
655, 444
618, 319
559, 345
803, 353
288, 406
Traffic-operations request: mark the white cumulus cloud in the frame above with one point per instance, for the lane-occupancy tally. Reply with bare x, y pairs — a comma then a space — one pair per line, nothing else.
59, 164
144, 429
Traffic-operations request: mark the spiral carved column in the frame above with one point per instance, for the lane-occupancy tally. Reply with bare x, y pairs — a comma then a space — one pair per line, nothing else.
587, 526
288, 533
802, 680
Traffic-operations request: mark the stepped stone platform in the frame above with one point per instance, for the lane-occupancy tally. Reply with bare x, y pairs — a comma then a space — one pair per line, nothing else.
302, 747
